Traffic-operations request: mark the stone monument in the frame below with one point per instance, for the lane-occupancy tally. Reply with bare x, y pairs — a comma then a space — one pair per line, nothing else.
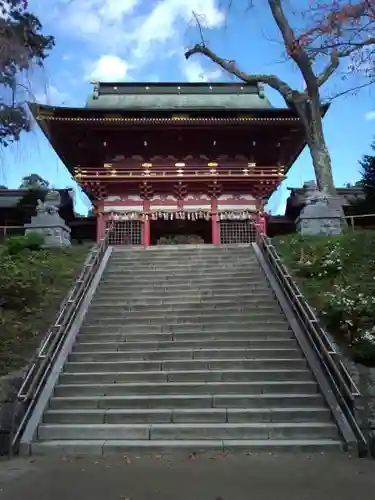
320, 215
48, 222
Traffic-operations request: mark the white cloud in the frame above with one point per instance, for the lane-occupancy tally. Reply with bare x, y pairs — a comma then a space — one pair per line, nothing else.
193, 71
370, 115
164, 21
51, 95
143, 29
97, 21
128, 35
108, 68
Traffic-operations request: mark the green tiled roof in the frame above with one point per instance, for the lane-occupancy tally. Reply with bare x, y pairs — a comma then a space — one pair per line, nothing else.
177, 96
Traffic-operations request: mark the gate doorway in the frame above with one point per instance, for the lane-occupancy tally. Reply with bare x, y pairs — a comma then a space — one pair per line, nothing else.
180, 232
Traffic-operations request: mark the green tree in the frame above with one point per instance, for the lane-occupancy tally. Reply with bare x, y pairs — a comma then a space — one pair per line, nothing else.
368, 177
367, 204
26, 207
22, 47
34, 181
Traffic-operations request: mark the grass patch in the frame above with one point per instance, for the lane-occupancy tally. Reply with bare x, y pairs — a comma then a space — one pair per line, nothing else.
337, 276
32, 286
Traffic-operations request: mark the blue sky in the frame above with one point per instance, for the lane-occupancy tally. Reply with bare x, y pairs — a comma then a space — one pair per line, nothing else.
144, 40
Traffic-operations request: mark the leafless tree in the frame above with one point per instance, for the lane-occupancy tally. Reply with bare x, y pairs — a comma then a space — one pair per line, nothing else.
317, 61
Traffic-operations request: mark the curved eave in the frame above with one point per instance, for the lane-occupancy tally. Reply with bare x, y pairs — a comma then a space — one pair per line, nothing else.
67, 114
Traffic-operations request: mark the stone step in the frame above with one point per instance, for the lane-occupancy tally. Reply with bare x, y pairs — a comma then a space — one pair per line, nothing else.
118, 293
165, 447
185, 376
177, 328
161, 317
168, 267
239, 332
180, 388
167, 310
185, 365
100, 336
184, 263
198, 415
194, 317
182, 354
187, 288
217, 280
178, 301
180, 267
187, 401
206, 249
188, 274
183, 257
263, 430
82, 346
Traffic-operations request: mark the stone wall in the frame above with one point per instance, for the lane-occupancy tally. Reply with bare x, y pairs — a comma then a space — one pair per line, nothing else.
9, 386
364, 377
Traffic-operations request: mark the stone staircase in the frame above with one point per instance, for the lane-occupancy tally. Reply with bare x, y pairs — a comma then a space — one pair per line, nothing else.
185, 348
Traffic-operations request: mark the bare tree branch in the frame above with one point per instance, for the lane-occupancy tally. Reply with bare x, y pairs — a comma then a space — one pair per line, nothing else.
352, 90
273, 81
293, 47
335, 60
199, 27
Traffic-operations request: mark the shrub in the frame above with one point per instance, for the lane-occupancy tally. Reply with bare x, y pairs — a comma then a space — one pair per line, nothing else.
320, 262
363, 348
34, 240
20, 283
348, 308
31, 241
167, 240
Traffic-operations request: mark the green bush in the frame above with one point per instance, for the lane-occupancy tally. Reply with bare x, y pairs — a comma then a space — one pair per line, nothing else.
348, 308
16, 244
167, 240
34, 240
32, 285
337, 275
363, 348
20, 283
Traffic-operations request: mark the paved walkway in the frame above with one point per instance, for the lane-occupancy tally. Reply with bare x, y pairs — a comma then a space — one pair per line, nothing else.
258, 477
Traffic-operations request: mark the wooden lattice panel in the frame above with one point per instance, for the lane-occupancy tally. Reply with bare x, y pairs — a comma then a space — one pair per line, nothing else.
237, 232
124, 232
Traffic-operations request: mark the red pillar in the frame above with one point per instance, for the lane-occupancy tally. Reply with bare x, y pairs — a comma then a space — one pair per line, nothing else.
214, 223
146, 231
263, 223
100, 227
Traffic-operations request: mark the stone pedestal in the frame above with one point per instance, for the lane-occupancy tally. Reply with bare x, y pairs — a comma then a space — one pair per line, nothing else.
321, 216
53, 228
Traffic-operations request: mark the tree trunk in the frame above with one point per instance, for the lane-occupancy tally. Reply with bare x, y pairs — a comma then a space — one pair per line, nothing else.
322, 163
313, 123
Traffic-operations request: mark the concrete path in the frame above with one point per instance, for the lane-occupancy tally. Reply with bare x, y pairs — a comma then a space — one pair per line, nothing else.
216, 477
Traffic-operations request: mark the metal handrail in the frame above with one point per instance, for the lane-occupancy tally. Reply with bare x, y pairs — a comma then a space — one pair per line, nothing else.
359, 216
4, 230
339, 379
41, 365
